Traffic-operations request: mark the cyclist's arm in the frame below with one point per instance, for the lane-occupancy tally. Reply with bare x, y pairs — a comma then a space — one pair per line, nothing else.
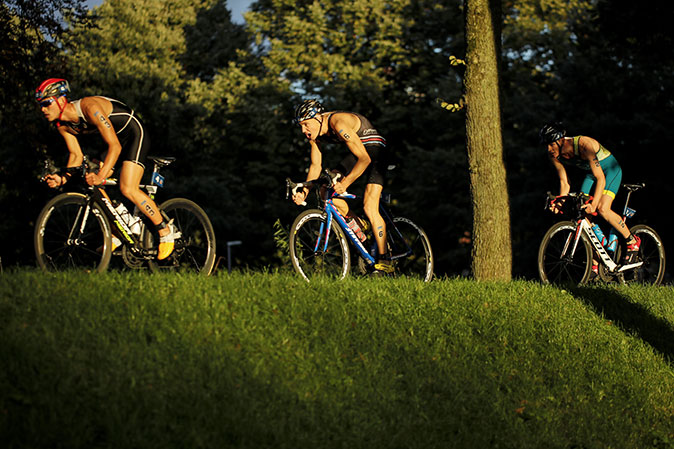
75, 155
316, 162
92, 108
75, 158
346, 125
314, 172
564, 186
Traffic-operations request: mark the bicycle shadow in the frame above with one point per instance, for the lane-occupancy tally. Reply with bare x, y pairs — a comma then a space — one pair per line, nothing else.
632, 318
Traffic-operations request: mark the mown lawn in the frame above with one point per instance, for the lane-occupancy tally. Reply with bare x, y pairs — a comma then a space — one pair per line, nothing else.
257, 360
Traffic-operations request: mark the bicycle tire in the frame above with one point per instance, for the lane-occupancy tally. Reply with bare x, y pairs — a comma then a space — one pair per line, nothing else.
334, 262
652, 253
195, 248
420, 263
555, 269
55, 247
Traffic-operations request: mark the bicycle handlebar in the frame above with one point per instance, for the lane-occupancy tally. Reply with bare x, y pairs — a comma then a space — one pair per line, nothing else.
579, 199
80, 171
328, 179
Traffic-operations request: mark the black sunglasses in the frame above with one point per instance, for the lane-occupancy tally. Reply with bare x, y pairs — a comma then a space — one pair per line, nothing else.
46, 103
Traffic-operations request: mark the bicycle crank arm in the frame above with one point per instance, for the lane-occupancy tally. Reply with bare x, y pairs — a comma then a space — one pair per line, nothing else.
147, 254
629, 266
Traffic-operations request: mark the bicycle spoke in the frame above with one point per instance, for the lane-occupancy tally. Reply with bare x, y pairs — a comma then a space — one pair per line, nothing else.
308, 253
556, 262
60, 243
195, 248
410, 249
652, 254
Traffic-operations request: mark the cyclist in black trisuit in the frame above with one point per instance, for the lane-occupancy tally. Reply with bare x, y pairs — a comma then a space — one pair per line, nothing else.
121, 130
367, 157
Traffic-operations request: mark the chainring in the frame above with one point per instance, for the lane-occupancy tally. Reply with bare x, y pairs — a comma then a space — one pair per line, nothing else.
130, 259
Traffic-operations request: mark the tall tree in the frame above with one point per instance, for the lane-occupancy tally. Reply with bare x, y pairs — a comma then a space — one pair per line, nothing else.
492, 251
30, 32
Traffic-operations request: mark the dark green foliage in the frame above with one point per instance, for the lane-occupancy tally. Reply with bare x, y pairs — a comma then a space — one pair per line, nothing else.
219, 96
29, 52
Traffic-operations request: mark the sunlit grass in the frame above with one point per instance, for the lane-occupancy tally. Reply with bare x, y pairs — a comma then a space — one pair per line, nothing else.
268, 360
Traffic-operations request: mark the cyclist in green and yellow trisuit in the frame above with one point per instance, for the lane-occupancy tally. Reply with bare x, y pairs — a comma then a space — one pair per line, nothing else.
603, 171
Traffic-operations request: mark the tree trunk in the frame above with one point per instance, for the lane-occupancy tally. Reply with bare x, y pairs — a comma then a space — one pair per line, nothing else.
492, 250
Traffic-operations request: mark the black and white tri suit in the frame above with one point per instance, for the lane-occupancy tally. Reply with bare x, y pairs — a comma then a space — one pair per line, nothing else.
130, 132
374, 143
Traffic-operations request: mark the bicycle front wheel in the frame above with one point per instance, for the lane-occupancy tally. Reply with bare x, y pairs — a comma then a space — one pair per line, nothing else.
410, 249
194, 248
558, 263
308, 251
71, 235
652, 253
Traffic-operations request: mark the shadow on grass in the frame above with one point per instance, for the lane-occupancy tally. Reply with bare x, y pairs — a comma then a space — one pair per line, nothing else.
631, 317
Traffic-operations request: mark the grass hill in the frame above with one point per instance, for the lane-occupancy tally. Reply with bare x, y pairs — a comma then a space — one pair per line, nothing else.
130, 360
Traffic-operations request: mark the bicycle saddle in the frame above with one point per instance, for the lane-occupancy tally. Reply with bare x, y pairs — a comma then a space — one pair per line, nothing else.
162, 161
634, 187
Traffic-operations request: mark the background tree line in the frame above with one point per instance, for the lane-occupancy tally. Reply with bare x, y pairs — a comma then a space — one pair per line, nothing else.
219, 96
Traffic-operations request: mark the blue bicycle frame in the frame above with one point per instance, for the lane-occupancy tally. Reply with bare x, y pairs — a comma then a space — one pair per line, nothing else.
333, 214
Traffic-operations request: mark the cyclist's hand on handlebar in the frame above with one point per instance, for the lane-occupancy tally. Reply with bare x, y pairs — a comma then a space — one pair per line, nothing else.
54, 180
589, 208
93, 179
557, 204
300, 197
339, 187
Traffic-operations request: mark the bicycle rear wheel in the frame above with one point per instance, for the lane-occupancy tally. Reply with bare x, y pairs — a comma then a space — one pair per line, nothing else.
309, 255
652, 253
67, 237
195, 248
556, 264
410, 249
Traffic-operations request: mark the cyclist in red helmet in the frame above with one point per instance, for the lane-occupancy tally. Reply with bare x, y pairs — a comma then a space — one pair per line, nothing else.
367, 157
602, 171
125, 137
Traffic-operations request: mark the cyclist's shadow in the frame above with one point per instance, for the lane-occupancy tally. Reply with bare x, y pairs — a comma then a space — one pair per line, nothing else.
631, 317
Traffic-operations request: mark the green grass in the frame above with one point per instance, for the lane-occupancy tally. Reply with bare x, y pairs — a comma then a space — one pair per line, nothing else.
266, 360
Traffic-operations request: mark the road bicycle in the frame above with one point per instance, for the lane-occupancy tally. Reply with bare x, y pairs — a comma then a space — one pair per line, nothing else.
568, 248
74, 230
320, 239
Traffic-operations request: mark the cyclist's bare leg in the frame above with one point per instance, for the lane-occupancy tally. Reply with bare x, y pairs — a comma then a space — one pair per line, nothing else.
611, 217
371, 207
342, 206
129, 181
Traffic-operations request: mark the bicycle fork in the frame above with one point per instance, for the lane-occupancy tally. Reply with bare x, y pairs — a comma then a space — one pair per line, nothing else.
75, 233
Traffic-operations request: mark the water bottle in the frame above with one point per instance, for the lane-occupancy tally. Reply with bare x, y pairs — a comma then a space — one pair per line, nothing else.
612, 241
123, 212
599, 233
132, 222
135, 224
355, 227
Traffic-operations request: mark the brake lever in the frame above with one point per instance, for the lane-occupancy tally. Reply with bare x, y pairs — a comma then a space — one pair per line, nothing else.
293, 188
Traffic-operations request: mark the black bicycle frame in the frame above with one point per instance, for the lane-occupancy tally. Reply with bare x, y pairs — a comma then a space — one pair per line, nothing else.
98, 196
